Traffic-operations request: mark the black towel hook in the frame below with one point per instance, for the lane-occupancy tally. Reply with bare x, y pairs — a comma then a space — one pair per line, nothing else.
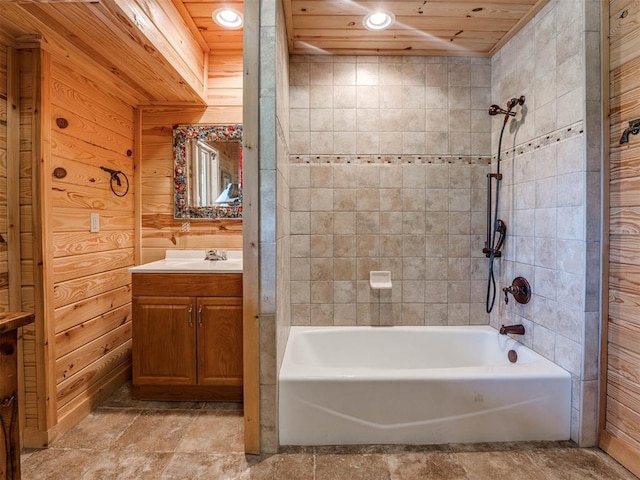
115, 177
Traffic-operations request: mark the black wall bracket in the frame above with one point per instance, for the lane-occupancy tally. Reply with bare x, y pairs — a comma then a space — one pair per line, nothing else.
633, 128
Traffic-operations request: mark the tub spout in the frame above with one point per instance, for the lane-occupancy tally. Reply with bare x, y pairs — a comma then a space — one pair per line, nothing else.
514, 329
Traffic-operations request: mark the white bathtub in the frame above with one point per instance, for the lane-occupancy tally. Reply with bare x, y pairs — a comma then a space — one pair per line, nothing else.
417, 385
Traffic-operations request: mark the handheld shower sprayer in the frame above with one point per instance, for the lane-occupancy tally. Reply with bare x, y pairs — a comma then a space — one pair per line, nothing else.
498, 110
496, 228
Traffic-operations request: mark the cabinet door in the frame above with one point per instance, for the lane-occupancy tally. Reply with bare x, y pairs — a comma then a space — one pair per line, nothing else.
164, 341
220, 341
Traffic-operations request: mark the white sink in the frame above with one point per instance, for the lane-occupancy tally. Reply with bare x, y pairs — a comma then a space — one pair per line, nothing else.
192, 261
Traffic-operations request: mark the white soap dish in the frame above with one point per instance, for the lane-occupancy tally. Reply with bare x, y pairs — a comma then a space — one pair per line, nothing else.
380, 280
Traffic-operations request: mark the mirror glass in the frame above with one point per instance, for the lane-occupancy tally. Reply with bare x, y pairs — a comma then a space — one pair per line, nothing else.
207, 171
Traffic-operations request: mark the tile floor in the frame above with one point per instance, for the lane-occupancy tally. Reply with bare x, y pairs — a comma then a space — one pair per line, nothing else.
129, 439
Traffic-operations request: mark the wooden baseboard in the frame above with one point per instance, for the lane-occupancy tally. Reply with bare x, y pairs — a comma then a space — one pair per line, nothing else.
621, 451
32, 438
196, 393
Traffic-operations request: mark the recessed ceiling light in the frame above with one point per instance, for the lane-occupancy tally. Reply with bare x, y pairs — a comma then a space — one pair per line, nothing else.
378, 20
227, 18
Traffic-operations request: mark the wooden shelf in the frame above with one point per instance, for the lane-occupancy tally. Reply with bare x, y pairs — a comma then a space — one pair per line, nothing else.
13, 320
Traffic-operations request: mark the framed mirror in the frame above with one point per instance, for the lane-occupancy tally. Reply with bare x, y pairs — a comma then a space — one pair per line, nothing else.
207, 171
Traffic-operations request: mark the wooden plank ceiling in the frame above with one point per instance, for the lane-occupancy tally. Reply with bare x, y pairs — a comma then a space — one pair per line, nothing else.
422, 27
432, 27
218, 40
165, 64
145, 44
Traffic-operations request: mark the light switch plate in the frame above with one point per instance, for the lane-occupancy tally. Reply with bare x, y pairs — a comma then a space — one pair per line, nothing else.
94, 222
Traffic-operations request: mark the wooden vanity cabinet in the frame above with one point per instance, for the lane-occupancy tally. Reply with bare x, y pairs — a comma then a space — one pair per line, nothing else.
187, 347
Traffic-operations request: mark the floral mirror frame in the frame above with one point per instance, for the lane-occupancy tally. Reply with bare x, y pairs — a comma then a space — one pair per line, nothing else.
211, 133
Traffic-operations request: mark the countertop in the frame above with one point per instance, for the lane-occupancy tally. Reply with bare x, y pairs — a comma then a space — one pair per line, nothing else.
192, 261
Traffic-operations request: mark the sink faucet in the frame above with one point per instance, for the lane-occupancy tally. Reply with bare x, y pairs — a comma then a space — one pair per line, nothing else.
515, 329
216, 255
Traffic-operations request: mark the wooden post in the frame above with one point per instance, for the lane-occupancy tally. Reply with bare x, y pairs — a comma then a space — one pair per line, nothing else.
9, 428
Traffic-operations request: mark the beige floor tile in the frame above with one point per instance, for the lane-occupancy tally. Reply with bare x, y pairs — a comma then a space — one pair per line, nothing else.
214, 431
497, 465
281, 467
352, 467
156, 431
126, 466
432, 466
579, 464
131, 440
196, 466
57, 464
98, 430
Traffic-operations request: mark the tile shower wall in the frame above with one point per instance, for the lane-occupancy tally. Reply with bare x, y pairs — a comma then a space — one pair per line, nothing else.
551, 197
388, 163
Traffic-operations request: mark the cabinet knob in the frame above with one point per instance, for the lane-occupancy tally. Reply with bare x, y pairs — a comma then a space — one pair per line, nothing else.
191, 315
200, 316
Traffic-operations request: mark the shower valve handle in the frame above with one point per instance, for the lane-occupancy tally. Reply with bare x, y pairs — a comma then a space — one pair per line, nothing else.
520, 289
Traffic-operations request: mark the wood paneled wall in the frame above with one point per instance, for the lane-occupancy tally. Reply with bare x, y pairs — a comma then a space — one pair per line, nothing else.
77, 282
159, 230
224, 85
620, 434
90, 291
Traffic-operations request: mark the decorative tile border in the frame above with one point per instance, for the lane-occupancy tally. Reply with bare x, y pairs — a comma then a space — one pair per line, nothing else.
542, 141
391, 159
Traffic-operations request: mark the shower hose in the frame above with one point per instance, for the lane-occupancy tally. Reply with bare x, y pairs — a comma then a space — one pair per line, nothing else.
493, 248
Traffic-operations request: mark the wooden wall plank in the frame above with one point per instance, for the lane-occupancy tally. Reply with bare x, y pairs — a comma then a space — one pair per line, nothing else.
77, 220
72, 363
624, 334
623, 305
13, 180
4, 154
93, 373
75, 337
82, 265
65, 293
78, 312
72, 243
